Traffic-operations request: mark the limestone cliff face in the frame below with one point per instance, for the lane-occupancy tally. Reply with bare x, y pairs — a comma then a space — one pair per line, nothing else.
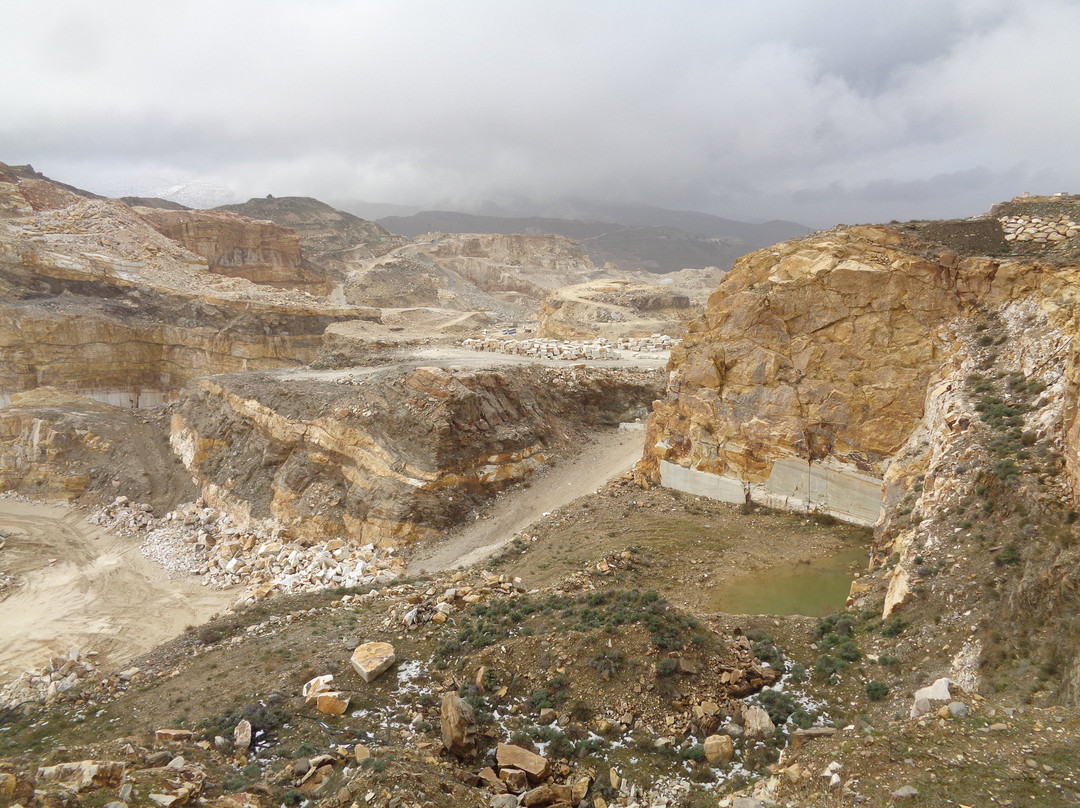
812, 365
234, 245
97, 301
612, 309
921, 378
393, 455
60, 446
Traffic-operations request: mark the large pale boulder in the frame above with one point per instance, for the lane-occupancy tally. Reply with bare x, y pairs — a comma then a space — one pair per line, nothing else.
458, 723
719, 749
535, 766
372, 658
84, 774
756, 723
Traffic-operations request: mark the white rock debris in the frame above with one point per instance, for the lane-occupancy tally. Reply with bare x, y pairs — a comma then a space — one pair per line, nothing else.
260, 557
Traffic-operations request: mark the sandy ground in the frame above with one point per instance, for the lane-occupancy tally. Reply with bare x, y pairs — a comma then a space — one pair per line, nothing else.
608, 454
80, 587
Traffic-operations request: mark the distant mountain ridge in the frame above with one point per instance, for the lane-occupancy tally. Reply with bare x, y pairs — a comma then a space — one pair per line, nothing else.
633, 237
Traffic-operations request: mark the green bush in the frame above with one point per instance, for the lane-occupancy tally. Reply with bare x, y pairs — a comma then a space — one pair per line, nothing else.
876, 691
1009, 554
778, 704
893, 627
827, 666
695, 752
667, 666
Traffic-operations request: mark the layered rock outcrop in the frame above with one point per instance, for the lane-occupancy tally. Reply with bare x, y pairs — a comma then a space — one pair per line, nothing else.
233, 245
60, 446
922, 378
388, 456
97, 301
812, 366
612, 309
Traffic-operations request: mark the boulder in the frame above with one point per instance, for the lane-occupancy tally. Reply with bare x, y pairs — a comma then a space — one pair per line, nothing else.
516, 780
242, 735
320, 684
719, 749
535, 766
756, 723
173, 734
539, 796
332, 702
580, 789
938, 691
458, 724
84, 774
372, 659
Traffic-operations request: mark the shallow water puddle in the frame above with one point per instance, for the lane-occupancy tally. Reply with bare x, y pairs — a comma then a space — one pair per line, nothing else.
814, 589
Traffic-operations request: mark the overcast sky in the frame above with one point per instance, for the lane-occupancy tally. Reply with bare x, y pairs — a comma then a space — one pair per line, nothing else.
821, 111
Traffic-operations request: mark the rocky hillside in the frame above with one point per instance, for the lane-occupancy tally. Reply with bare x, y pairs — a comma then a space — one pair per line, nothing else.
97, 300
612, 309
922, 378
387, 456
330, 239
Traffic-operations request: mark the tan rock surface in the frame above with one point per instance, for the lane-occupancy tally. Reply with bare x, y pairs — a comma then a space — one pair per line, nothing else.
458, 725
534, 765
372, 659
394, 456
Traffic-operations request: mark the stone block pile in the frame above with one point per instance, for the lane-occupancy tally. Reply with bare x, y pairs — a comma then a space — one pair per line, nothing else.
571, 350
653, 344
545, 348
201, 540
1047, 231
62, 675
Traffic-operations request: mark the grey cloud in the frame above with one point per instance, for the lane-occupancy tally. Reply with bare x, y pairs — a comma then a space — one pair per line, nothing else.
825, 110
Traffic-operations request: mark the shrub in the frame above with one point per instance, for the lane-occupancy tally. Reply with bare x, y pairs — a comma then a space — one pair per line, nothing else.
778, 704
667, 666
766, 651
893, 627
827, 666
1009, 554
695, 752
876, 691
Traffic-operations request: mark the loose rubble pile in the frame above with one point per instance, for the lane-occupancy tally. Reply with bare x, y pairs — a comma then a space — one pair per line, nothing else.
1039, 230
558, 349
653, 344
203, 541
61, 675
544, 348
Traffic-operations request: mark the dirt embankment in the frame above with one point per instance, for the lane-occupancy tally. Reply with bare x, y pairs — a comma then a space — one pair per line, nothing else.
77, 586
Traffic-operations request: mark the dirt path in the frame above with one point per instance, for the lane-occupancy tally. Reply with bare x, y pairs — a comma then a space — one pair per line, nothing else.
605, 455
78, 586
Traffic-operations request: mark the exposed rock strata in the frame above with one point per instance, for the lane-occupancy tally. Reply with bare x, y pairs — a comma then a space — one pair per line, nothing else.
59, 446
394, 457
898, 376
233, 245
97, 301
612, 309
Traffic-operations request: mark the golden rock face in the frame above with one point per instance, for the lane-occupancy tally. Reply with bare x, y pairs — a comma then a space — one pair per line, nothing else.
824, 350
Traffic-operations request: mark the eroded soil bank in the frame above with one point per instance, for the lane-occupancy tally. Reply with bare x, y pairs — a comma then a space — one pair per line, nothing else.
77, 586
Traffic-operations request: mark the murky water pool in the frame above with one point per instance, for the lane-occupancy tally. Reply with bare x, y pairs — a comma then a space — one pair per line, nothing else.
814, 589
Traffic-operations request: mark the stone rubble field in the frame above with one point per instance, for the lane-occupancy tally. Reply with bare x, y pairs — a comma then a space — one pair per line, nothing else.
203, 541
572, 351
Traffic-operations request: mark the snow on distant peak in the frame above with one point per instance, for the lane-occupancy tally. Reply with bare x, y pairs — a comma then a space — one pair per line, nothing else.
199, 194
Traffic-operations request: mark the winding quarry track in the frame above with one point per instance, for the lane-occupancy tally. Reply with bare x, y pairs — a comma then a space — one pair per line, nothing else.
608, 454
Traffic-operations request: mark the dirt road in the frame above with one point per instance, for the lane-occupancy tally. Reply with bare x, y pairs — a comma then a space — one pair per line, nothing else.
606, 454
78, 586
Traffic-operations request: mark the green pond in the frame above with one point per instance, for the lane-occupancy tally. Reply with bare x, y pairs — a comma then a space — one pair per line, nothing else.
814, 589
